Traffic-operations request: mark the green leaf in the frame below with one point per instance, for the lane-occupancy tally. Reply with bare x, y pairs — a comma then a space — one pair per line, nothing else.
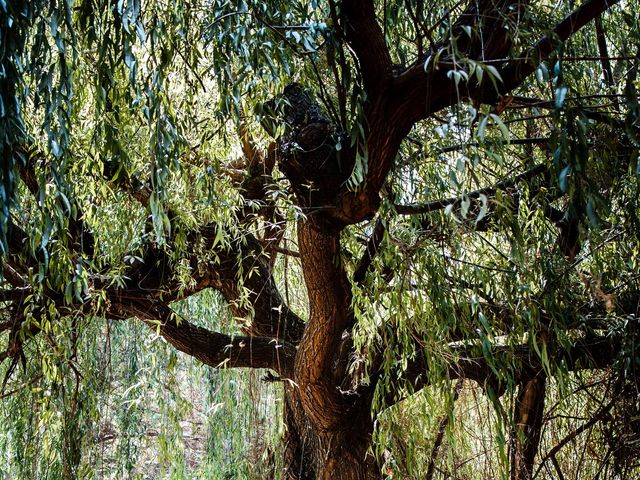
494, 73
482, 126
464, 206
503, 128
561, 93
564, 178
483, 208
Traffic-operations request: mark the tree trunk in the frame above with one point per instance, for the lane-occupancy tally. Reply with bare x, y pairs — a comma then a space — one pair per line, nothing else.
528, 426
318, 454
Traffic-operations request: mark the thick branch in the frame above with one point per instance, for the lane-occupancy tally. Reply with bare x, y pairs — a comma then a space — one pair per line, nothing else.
155, 276
366, 39
596, 352
515, 72
211, 348
528, 416
421, 93
153, 279
409, 97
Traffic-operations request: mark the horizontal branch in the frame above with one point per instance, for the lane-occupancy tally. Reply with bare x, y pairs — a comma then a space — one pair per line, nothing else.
211, 348
596, 352
589, 113
517, 141
375, 240
14, 294
488, 191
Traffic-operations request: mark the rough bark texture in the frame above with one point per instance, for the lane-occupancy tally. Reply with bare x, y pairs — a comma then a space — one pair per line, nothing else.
314, 452
329, 429
529, 410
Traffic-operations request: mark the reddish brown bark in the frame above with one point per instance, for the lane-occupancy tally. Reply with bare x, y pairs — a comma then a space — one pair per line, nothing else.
313, 453
529, 410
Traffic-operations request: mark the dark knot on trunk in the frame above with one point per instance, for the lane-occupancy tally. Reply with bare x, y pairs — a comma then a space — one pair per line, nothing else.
307, 143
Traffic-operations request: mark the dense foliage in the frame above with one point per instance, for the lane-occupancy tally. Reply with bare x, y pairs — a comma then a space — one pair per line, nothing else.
423, 221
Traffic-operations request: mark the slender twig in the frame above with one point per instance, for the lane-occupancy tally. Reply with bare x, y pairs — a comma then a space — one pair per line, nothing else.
14, 294
442, 425
570, 437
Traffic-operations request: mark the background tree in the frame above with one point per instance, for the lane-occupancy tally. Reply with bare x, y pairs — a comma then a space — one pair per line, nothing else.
391, 198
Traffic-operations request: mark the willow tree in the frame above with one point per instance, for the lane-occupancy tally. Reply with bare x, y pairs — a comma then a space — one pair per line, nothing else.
389, 196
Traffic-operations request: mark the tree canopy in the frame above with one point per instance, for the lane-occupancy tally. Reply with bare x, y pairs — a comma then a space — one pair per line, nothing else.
420, 218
